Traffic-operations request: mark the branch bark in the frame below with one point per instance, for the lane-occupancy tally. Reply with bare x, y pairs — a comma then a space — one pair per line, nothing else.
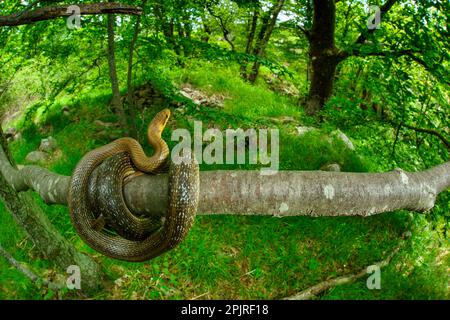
53, 12
42, 233
287, 193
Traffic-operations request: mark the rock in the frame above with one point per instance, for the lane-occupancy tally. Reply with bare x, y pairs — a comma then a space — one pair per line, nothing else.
10, 132
36, 156
100, 123
344, 139
334, 167
283, 120
45, 129
48, 145
17, 136
302, 130
65, 111
200, 98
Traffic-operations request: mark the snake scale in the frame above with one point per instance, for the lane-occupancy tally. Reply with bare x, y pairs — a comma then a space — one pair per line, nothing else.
183, 198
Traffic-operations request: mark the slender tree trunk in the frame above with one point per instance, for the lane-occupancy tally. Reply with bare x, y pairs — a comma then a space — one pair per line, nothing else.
44, 235
265, 33
116, 99
323, 54
130, 96
253, 23
166, 26
225, 32
207, 32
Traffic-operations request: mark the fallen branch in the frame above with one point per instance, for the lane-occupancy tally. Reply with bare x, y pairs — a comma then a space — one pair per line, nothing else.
317, 289
286, 193
27, 272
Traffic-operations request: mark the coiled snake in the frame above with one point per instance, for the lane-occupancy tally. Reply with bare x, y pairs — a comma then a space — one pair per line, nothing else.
183, 198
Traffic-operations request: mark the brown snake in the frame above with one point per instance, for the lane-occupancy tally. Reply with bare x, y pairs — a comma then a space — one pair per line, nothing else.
183, 196
106, 198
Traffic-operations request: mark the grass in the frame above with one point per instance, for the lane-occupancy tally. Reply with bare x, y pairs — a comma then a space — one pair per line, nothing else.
239, 257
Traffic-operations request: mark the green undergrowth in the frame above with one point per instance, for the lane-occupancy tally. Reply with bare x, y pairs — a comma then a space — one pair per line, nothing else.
241, 257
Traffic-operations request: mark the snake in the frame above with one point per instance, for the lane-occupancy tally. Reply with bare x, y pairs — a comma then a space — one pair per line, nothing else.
106, 198
183, 196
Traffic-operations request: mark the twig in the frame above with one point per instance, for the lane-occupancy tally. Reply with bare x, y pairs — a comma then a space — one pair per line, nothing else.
313, 291
28, 273
431, 132
396, 138
199, 296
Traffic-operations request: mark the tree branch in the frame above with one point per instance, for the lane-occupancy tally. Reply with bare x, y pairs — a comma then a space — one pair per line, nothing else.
406, 52
286, 193
430, 131
53, 12
305, 32
399, 53
224, 28
383, 11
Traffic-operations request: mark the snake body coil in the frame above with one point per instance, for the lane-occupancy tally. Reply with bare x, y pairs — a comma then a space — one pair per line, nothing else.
183, 197
106, 199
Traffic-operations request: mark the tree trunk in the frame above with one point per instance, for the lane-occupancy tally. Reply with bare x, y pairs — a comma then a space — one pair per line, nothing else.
44, 235
225, 32
253, 23
130, 95
265, 33
116, 102
207, 32
323, 54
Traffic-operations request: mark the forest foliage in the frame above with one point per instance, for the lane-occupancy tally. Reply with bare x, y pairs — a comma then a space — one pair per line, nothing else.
388, 92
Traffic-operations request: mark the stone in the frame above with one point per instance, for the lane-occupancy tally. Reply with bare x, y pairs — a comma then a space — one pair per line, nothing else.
200, 98
333, 167
17, 136
302, 130
100, 123
36, 156
10, 132
48, 145
283, 120
65, 111
338, 133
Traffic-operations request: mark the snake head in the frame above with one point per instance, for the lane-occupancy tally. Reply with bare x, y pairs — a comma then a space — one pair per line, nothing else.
159, 122
165, 115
